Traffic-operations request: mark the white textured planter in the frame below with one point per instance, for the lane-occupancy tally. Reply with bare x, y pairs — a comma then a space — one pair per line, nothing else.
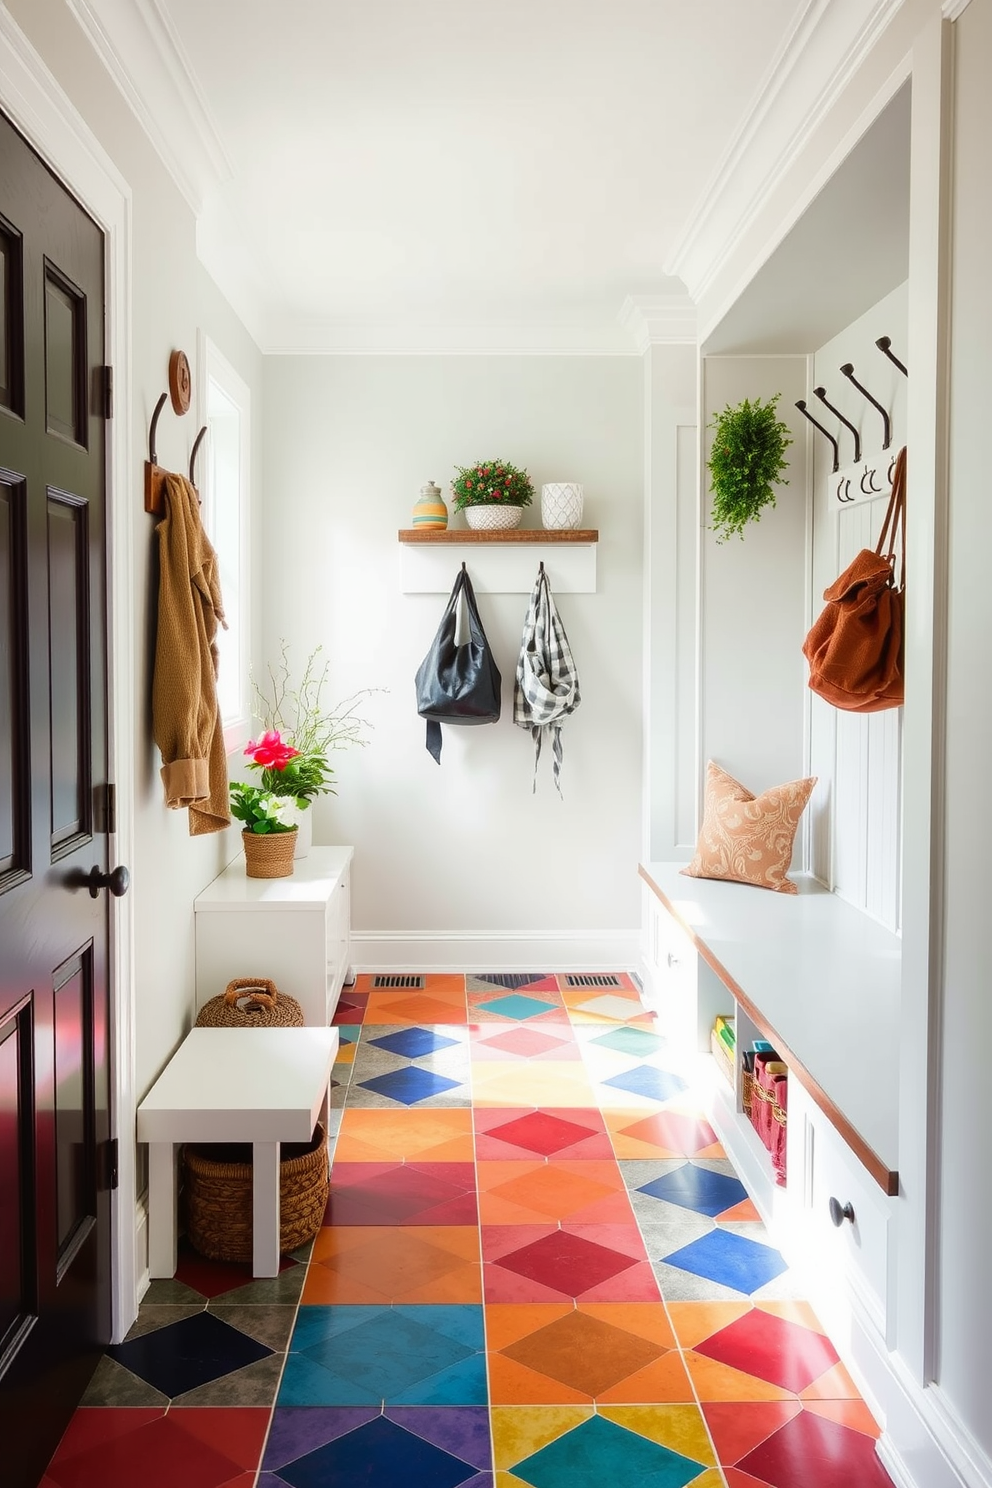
493, 518
561, 505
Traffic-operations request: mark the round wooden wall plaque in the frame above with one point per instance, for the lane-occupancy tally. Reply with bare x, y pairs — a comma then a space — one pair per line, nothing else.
180, 381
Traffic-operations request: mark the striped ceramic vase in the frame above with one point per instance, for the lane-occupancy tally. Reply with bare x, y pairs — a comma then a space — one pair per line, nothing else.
430, 512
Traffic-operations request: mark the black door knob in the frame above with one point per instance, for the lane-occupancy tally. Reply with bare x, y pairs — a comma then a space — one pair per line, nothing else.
118, 881
839, 1214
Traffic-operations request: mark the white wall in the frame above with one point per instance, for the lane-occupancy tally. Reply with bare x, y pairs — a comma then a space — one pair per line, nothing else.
464, 849
964, 1364
172, 298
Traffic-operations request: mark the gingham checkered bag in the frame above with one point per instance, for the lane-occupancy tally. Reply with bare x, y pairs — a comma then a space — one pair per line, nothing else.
546, 688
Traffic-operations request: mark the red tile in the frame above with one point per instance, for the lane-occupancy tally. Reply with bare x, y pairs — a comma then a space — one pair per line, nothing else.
93, 1426
772, 1349
817, 1454
737, 1479
738, 1427
158, 1455
532, 1043
566, 1263
212, 1278
542, 1133
671, 1129
402, 1194
238, 1432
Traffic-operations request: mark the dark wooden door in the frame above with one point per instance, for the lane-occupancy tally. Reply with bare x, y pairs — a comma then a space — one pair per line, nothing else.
54, 1024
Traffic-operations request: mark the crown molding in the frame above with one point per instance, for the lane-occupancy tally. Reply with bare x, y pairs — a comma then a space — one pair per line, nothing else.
951, 9
659, 320
813, 66
141, 50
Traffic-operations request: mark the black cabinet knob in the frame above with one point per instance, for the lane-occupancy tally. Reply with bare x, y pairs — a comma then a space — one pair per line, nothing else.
838, 1214
118, 881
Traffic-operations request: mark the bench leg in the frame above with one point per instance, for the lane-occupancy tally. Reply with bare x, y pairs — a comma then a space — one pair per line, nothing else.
265, 1209
162, 1237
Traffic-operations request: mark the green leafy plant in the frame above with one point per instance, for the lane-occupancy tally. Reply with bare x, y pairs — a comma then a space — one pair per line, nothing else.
304, 728
260, 809
746, 460
491, 483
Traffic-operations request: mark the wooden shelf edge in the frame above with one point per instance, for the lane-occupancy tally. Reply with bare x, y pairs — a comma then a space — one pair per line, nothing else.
887, 1178
507, 535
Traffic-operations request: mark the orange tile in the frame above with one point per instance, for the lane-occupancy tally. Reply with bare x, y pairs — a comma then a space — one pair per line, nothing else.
737, 1429
359, 1264
626, 1146
413, 1007
511, 1383
437, 1135
507, 1322
745, 1210
853, 1413
714, 1381
588, 1192
695, 1321
795, 1312
661, 1383
836, 1384
645, 1319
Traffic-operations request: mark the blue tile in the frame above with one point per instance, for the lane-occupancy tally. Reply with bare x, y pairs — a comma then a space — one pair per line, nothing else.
658, 1085
416, 1355
697, 1189
379, 1455
631, 1041
517, 1007
409, 1085
599, 1452
184, 1355
411, 1043
730, 1260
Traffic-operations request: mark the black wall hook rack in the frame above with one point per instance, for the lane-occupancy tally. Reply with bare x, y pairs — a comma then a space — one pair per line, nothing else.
884, 344
801, 405
848, 371
155, 476
821, 393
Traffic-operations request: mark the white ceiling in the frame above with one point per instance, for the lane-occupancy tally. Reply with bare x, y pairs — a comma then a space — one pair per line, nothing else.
444, 174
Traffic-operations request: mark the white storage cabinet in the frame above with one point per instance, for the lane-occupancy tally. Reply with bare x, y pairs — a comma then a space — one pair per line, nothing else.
295, 931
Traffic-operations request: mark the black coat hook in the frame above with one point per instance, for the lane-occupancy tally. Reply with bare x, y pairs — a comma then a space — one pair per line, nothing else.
192, 459
848, 371
821, 393
884, 344
801, 405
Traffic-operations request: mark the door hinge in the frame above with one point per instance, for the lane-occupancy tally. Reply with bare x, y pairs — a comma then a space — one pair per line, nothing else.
107, 377
110, 1159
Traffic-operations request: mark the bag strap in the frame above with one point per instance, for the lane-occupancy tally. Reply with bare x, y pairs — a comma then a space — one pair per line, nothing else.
895, 517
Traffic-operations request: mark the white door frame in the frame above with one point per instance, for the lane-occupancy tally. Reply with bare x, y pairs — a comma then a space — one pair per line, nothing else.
34, 100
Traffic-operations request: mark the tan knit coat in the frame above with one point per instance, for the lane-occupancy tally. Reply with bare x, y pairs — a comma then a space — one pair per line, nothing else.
185, 713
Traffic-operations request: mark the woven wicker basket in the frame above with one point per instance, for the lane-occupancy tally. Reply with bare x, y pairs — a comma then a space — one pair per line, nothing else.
218, 1188
269, 854
251, 1002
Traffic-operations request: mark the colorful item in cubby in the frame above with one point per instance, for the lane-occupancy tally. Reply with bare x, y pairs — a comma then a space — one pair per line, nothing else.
430, 513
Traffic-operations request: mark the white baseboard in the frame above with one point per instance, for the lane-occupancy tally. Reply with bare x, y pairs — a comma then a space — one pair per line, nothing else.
481, 951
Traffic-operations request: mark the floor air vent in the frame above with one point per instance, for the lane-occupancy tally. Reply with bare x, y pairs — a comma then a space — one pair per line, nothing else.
511, 979
594, 979
394, 980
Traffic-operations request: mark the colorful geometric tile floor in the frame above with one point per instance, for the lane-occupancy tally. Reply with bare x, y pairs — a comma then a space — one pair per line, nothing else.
538, 1270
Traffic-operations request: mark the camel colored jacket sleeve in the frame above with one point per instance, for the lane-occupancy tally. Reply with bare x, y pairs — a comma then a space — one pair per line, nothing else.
185, 713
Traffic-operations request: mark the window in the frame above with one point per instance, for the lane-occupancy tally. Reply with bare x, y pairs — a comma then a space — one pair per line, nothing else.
223, 477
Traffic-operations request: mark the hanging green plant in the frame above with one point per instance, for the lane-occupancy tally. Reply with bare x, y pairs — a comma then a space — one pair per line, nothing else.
747, 458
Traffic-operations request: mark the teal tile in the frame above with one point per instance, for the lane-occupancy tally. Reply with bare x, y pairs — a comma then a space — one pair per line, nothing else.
599, 1452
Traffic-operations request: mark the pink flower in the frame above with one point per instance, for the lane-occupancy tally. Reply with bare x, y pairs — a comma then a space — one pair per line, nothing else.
270, 753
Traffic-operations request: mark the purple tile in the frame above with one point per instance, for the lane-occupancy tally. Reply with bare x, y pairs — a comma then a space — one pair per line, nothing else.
298, 1429
462, 1430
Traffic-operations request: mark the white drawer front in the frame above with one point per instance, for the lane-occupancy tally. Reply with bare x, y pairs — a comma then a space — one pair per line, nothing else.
858, 1248
672, 962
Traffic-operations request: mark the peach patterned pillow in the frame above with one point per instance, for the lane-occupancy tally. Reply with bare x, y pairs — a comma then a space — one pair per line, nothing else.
747, 838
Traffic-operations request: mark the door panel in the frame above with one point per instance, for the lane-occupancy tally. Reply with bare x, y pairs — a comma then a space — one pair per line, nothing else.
54, 1077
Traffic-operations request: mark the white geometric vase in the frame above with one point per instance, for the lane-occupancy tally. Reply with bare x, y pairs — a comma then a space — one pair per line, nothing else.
561, 504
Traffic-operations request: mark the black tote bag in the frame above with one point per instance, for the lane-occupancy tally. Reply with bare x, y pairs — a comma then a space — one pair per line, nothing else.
457, 683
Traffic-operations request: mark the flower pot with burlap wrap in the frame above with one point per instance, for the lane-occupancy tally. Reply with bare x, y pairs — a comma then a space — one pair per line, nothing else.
251, 1002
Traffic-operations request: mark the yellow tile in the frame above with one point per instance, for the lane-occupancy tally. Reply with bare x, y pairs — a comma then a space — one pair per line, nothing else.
681, 1428
521, 1430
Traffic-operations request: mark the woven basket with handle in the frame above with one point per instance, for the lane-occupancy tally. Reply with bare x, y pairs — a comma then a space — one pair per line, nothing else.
251, 1002
217, 1192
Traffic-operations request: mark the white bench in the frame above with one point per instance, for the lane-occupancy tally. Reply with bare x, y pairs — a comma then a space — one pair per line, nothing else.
259, 1085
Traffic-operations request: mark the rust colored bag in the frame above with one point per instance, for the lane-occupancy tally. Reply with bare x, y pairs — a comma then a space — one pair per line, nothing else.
855, 648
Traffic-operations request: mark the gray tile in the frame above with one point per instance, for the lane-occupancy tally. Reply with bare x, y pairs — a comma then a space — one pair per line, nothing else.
684, 1286
785, 1288
255, 1385
114, 1385
168, 1290
267, 1290
152, 1316
637, 1171
662, 1239
455, 1099
717, 1165
269, 1324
